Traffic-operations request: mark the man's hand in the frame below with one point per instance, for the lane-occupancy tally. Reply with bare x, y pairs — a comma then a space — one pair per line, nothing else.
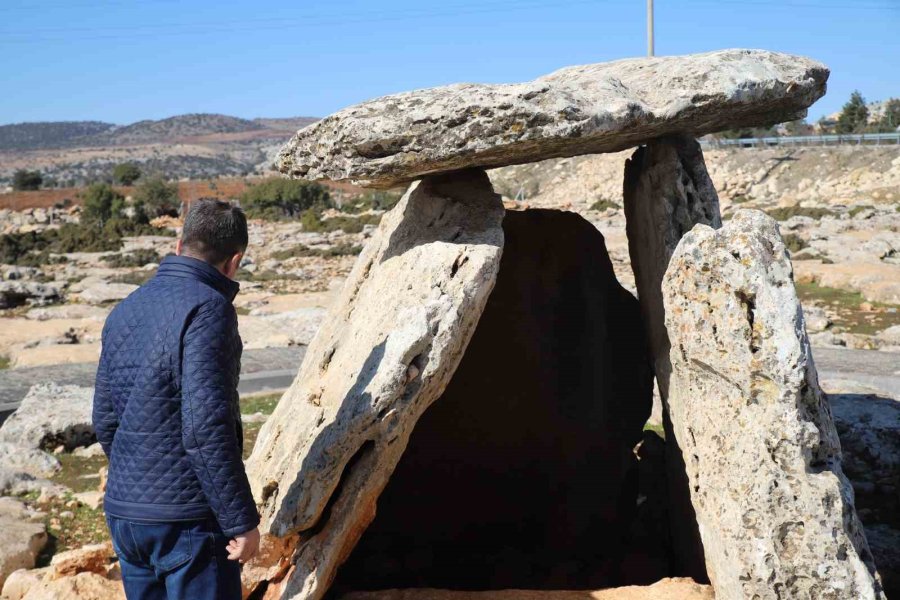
244, 546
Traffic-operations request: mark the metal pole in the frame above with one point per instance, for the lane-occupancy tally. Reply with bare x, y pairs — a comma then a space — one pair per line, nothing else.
649, 27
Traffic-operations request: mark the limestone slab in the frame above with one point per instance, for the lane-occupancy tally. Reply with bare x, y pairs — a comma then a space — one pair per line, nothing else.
386, 351
775, 510
586, 109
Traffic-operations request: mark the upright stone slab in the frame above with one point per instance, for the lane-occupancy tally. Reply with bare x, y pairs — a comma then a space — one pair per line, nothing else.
385, 352
584, 109
667, 192
775, 509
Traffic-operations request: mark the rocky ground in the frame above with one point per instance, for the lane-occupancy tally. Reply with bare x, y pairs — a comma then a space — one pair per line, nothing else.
839, 211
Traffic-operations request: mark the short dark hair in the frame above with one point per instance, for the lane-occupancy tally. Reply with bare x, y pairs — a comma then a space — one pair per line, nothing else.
214, 230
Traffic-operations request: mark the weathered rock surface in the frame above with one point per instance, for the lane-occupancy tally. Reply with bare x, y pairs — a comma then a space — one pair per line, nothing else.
16, 293
84, 586
665, 589
29, 460
22, 580
522, 473
667, 191
775, 509
16, 482
383, 355
93, 558
101, 293
20, 540
586, 109
51, 415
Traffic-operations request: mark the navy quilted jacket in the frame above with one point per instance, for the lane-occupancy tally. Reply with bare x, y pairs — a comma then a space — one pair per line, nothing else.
166, 403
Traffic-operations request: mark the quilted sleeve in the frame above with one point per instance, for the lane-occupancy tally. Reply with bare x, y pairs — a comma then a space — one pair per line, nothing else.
210, 372
103, 415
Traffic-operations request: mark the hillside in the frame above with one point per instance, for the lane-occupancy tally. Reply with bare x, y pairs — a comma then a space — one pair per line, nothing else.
60, 134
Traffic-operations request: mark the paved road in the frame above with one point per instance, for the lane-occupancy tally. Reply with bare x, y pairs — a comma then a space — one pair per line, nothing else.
261, 370
274, 369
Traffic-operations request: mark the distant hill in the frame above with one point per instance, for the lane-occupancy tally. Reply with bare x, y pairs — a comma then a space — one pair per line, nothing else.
71, 134
33, 136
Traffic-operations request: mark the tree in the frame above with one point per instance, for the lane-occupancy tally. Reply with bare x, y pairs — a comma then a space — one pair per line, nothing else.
157, 197
101, 203
890, 120
854, 115
126, 173
276, 198
27, 180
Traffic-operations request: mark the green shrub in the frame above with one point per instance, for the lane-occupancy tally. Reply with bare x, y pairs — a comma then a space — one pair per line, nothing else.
344, 249
101, 203
794, 242
156, 196
126, 173
858, 209
138, 258
27, 180
374, 200
786, 212
603, 204
311, 221
278, 198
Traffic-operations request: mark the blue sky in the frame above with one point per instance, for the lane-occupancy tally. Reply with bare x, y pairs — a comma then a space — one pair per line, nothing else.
122, 61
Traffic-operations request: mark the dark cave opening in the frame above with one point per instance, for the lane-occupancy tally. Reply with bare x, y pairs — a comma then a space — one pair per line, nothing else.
523, 475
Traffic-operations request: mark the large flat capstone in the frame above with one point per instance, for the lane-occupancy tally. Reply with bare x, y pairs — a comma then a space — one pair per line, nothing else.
587, 109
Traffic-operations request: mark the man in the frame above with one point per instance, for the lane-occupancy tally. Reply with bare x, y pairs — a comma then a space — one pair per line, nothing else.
166, 412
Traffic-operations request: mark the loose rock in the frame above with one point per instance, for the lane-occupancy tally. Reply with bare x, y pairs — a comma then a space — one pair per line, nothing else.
51, 415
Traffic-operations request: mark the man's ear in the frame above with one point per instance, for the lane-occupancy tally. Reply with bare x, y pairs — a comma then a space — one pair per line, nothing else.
179, 248
232, 265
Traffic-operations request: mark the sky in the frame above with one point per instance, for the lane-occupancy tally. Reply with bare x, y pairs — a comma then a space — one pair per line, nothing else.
122, 61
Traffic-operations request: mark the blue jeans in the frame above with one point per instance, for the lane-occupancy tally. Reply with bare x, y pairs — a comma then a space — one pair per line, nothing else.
183, 560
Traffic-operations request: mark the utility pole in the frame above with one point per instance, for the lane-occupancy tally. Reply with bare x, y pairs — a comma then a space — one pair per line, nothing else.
649, 27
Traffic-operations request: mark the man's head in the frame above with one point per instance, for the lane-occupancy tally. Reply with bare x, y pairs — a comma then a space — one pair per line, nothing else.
215, 232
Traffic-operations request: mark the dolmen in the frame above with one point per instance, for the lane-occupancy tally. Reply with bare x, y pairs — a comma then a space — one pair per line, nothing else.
466, 417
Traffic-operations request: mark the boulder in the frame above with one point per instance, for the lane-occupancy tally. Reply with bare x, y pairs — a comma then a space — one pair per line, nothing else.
522, 473
586, 109
20, 540
84, 586
93, 558
29, 460
667, 191
101, 293
665, 589
19, 482
775, 510
281, 329
51, 415
385, 352
20, 581
16, 293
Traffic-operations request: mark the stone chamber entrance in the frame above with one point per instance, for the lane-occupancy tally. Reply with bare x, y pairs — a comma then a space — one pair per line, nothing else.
522, 474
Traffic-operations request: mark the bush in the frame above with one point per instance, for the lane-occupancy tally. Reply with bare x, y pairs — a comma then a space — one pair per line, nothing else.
157, 197
101, 203
602, 204
794, 243
138, 258
786, 212
343, 249
311, 221
377, 200
854, 115
126, 173
277, 198
27, 180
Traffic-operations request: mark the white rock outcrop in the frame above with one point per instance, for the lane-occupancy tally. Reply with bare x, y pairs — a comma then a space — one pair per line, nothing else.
20, 539
385, 352
51, 415
775, 510
577, 110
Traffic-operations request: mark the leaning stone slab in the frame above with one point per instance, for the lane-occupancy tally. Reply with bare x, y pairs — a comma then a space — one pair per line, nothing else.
385, 352
20, 539
775, 510
51, 415
587, 109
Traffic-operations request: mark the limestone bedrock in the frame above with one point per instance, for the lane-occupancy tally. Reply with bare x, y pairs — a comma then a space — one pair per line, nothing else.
587, 109
775, 510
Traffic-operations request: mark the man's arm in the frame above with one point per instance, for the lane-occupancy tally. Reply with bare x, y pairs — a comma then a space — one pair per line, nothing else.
210, 368
103, 412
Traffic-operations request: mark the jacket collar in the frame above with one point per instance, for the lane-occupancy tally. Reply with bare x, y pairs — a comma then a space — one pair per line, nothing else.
198, 270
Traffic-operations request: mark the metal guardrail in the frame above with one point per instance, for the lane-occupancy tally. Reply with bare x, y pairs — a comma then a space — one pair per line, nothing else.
857, 139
